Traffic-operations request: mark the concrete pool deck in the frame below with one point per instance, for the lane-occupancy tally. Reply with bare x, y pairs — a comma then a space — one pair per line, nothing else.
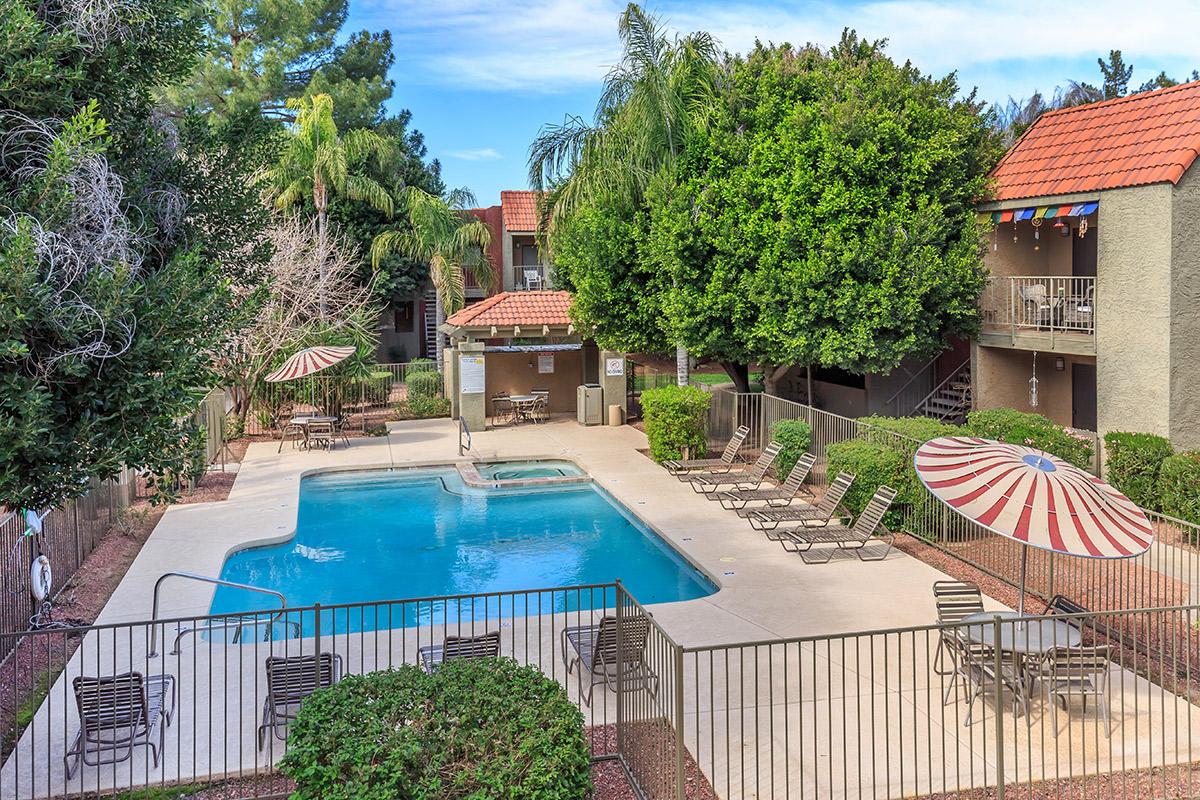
764, 594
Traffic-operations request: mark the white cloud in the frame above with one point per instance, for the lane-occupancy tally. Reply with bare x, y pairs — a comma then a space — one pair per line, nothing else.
478, 154
556, 45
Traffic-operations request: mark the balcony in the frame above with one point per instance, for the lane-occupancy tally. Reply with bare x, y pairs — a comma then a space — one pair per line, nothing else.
1040, 312
529, 277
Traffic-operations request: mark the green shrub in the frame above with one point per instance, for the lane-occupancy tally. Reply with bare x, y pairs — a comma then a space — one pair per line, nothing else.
1032, 430
420, 365
918, 429
420, 407
423, 384
235, 426
795, 435
1179, 486
377, 385
674, 417
475, 728
874, 465
1133, 461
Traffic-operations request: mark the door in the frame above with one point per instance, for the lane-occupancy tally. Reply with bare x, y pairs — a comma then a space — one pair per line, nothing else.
1083, 254
1083, 396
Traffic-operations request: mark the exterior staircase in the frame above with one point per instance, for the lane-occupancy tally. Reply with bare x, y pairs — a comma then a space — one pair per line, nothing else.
430, 306
950, 400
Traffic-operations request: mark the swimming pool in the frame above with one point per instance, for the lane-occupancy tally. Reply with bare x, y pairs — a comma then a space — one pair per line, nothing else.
379, 535
524, 470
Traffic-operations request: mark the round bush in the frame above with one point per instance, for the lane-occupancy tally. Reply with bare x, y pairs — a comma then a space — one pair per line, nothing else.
674, 417
423, 384
1032, 430
918, 429
795, 435
1132, 462
483, 729
1179, 486
421, 365
874, 465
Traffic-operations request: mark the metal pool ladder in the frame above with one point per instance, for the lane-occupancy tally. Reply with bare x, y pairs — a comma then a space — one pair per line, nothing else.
236, 622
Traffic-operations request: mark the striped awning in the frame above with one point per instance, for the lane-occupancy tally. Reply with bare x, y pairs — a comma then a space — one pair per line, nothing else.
308, 361
1033, 497
1040, 212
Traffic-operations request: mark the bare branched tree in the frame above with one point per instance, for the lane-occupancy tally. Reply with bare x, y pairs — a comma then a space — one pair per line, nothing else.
287, 308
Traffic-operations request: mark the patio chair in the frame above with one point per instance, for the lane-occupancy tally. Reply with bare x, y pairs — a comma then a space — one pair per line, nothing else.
955, 601
975, 665
712, 465
853, 538
484, 646
1038, 306
777, 496
118, 713
320, 434
533, 279
502, 408
290, 681
753, 478
286, 427
768, 519
593, 649
1078, 672
541, 409
339, 428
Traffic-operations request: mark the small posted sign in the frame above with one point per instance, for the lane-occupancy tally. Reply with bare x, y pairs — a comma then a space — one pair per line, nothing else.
545, 363
614, 367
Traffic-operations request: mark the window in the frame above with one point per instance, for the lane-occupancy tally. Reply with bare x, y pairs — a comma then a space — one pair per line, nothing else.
404, 316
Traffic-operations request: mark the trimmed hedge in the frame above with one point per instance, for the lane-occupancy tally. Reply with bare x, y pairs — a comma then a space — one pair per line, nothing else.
921, 429
873, 465
423, 384
1179, 486
482, 729
420, 365
1132, 462
420, 407
674, 417
1032, 430
795, 435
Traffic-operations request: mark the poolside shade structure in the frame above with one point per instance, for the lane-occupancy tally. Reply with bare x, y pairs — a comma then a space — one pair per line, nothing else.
1034, 498
308, 361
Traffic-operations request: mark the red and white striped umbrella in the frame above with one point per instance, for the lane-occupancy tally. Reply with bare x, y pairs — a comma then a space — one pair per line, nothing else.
308, 361
1033, 497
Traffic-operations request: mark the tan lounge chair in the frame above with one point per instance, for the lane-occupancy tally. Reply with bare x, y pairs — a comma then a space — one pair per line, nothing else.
753, 478
290, 681
118, 713
721, 465
486, 645
777, 496
768, 519
853, 538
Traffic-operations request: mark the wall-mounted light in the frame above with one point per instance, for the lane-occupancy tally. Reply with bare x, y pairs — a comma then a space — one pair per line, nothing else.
1060, 364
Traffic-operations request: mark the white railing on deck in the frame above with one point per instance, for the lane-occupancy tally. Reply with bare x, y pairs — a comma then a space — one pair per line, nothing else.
1040, 303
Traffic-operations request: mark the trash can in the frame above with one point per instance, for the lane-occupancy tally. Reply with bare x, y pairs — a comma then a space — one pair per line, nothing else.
589, 404
616, 416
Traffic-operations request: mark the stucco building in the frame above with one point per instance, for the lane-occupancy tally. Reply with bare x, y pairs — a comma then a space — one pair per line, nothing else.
1095, 269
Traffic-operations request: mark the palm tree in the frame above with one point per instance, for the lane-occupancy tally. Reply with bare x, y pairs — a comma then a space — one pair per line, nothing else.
318, 161
441, 233
653, 100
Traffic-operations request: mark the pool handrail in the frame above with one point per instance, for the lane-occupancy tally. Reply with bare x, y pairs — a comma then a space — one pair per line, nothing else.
192, 576
463, 431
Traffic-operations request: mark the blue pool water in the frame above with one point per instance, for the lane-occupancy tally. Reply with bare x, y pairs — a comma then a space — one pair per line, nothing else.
366, 536
523, 470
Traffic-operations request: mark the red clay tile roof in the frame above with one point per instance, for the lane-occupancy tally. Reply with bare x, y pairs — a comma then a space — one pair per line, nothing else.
504, 310
1132, 141
520, 210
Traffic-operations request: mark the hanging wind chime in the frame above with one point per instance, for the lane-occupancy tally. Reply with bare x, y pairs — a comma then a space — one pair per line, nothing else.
1037, 235
1033, 384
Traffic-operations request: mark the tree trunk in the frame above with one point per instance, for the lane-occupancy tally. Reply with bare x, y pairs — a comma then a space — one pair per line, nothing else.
739, 374
772, 376
681, 365
322, 221
439, 316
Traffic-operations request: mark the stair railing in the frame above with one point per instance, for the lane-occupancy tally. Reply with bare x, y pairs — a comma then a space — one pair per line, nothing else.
954, 374
893, 404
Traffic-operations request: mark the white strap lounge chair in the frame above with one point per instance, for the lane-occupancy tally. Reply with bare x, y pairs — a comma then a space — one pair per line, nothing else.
715, 466
854, 538
768, 519
753, 478
777, 496
486, 645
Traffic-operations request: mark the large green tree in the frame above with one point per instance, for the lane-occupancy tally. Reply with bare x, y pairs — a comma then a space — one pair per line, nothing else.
654, 101
259, 54
110, 297
826, 214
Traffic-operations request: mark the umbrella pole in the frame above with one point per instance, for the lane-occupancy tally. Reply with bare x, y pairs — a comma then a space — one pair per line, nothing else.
1021, 599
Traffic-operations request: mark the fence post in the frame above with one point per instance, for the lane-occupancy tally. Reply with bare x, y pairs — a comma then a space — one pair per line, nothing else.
998, 665
620, 676
680, 778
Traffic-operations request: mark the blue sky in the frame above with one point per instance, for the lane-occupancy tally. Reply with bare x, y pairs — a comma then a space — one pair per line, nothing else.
482, 77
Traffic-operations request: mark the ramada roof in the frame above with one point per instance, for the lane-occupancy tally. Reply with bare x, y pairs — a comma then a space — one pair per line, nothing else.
1151, 137
525, 309
520, 210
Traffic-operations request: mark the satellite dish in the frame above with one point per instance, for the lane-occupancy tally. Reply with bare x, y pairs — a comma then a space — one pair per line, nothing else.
41, 578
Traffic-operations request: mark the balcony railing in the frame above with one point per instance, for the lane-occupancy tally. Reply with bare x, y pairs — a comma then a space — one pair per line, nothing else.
1042, 303
530, 277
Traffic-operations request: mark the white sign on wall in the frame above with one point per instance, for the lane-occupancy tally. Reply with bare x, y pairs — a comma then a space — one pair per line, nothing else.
614, 367
545, 363
471, 375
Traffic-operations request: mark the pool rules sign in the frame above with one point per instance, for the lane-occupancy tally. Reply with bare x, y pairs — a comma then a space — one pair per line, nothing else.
471, 374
